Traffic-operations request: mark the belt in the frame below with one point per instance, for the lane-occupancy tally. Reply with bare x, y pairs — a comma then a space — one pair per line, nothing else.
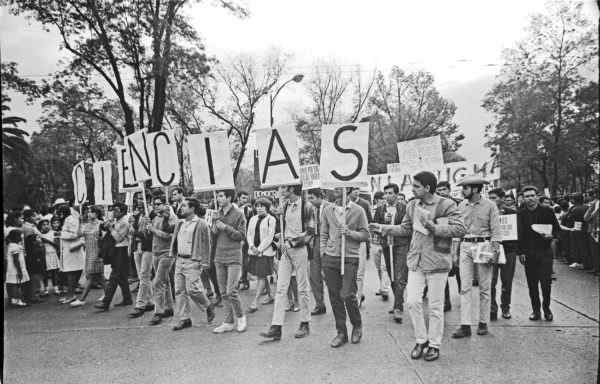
184, 256
475, 239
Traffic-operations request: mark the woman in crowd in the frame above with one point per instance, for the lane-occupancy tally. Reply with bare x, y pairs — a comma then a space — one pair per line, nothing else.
51, 255
94, 266
261, 230
17, 277
72, 253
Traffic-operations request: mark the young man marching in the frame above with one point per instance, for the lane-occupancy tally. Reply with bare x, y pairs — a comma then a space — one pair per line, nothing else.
432, 221
298, 229
315, 196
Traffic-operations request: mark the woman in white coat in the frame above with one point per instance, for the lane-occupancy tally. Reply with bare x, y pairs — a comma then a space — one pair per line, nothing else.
261, 229
72, 258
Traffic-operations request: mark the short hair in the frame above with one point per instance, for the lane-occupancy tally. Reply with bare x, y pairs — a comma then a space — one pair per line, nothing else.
577, 199
443, 184
528, 188
230, 193
544, 198
122, 207
178, 190
557, 209
41, 222
28, 214
194, 203
427, 179
14, 236
498, 192
316, 192
64, 210
564, 204
378, 195
394, 186
98, 211
242, 193
295, 189
264, 202
402, 194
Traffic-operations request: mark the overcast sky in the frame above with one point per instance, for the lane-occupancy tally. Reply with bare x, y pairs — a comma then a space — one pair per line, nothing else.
455, 40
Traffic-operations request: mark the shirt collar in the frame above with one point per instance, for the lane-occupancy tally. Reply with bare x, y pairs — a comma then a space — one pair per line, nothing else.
434, 201
225, 212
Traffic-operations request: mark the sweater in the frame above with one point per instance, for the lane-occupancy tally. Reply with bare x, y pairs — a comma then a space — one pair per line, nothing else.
228, 242
331, 241
200, 242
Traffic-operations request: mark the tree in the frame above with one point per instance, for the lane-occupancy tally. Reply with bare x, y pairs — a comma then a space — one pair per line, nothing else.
14, 146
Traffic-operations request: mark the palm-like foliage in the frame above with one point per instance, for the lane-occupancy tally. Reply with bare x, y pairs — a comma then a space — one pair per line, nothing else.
14, 145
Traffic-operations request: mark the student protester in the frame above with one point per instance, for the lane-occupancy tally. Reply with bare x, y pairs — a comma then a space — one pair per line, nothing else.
120, 230
243, 202
51, 251
354, 196
229, 229
392, 213
94, 266
343, 288
377, 252
592, 219
17, 277
483, 237
191, 248
177, 201
431, 221
315, 197
35, 258
578, 234
261, 230
72, 251
507, 270
298, 229
534, 251
143, 262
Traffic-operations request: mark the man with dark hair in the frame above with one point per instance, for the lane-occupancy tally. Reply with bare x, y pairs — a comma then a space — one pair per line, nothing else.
479, 251
392, 213
120, 230
577, 236
229, 229
243, 202
354, 196
298, 230
377, 251
315, 197
177, 201
534, 250
431, 221
507, 270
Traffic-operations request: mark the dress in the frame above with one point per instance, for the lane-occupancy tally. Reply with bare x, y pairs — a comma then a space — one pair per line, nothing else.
91, 233
11, 268
51, 252
73, 259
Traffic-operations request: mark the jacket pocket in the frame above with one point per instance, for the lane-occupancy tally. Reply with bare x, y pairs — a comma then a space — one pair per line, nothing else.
442, 244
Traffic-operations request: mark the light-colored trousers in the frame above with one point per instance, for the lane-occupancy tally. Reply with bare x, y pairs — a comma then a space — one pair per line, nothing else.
484, 272
295, 260
143, 264
188, 286
228, 277
384, 281
436, 282
161, 286
360, 273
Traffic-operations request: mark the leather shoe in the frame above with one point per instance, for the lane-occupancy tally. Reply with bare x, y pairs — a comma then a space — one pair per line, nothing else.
506, 314
210, 313
149, 307
156, 319
384, 296
482, 329
463, 331
274, 332
431, 354
417, 351
183, 324
137, 312
398, 316
319, 311
548, 315
339, 340
166, 313
535, 316
124, 303
101, 306
356, 335
302, 331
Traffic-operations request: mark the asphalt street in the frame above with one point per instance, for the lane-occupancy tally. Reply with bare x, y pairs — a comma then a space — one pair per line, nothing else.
52, 343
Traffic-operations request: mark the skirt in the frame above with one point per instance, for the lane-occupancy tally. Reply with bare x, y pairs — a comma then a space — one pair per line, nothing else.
260, 266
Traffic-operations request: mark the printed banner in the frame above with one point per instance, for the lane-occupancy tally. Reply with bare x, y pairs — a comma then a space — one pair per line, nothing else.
309, 174
344, 155
272, 194
102, 171
420, 155
278, 157
210, 161
508, 226
163, 158
79, 185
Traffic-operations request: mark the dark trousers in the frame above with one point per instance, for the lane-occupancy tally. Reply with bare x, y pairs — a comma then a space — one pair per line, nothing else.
594, 252
400, 272
342, 295
118, 276
578, 247
538, 269
244, 278
316, 277
506, 272
19, 291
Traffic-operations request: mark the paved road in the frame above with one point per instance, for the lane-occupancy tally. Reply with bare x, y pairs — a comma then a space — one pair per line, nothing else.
49, 343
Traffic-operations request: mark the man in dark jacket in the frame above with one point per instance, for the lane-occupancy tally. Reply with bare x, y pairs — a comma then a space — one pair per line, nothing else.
393, 213
507, 270
577, 237
534, 250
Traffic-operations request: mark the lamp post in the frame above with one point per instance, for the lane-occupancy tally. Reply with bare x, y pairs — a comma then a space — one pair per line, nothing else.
297, 78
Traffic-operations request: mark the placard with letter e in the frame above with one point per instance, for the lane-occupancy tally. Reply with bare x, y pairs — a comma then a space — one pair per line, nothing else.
102, 171
126, 180
344, 155
79, 185
210, 161
278, 157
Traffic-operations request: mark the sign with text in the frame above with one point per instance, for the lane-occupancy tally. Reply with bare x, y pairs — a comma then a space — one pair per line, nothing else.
79, 185
420, 154
278, 157
102, 171
126, 181
164, 162
210, 161
508, 227
309, 174
344, 155
139, 155
272, 194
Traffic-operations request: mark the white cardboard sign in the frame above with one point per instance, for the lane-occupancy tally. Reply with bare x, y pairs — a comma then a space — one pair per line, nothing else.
126, 181
79, 185
162, 149
508, 227
210, 161
102, 171
420, 154
278, 157
344, 155
139, 156
309, 174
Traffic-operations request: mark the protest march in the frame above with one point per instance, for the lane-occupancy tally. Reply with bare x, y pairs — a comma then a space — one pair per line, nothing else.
165, 222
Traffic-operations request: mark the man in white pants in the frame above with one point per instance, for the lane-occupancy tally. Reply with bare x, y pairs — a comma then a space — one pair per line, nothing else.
432, 221
364, 250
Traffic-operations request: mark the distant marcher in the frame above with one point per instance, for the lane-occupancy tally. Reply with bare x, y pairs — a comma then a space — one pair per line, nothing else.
72, 251
51, 250
17, 277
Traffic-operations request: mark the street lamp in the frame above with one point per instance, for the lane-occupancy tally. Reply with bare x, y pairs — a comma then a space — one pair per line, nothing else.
297, 78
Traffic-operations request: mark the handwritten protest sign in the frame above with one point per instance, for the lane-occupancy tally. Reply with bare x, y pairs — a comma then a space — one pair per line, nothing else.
309, 174
79, 185
344, 155
508, 227
278, 157
126, 180
139, 155
420, 154
102, 171
162, 149
210, 161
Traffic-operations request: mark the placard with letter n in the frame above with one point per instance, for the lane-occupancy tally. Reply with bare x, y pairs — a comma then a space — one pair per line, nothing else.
344, 155
102, 171
278, 157
210, 161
